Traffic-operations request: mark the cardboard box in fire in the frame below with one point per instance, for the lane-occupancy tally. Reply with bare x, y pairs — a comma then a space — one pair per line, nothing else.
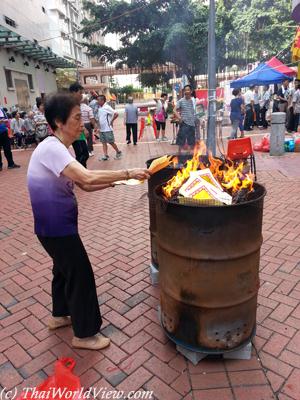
202, 185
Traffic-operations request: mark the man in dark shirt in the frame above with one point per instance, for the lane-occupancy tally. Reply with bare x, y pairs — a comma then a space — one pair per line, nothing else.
5, 142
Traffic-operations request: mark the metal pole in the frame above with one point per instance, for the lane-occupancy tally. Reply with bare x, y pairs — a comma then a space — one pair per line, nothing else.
211, 125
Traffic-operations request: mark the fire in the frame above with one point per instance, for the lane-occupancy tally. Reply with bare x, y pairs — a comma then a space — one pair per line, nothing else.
233, 178
182, 175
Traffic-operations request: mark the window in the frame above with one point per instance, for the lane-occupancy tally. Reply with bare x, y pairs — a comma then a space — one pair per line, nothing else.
10, 22
8, 77
30, 82
43, 9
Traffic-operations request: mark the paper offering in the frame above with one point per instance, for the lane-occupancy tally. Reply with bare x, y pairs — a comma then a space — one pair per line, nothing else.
160, 163
200, 189
155, 166
207, 176
129, 182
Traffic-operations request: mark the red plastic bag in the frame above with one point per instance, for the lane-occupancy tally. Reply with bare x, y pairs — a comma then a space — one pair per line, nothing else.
264, 145
63, 385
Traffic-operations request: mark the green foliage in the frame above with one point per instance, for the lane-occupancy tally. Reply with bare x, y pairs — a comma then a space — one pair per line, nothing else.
158, 32
150, 80
255, 29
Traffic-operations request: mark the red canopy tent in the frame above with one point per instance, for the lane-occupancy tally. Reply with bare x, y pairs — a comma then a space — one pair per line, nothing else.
280, 67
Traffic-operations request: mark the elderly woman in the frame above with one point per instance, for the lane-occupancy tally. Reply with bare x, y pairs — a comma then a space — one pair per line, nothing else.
52, 172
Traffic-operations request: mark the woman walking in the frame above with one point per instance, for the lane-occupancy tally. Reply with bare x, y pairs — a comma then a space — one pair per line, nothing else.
52, 173
237, 112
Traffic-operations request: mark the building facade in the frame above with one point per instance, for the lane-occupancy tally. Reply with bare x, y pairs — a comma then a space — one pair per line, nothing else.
36, 38
65, 18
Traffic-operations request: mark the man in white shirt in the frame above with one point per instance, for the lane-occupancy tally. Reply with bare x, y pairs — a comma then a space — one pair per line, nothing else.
265, 104
106, 117
296, 108
249, 103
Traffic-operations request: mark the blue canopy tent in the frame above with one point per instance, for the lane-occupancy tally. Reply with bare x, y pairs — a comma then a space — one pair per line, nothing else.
263, 74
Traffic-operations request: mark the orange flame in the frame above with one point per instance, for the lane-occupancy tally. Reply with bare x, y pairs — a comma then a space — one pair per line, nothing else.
182, 175
232, 178
235, 179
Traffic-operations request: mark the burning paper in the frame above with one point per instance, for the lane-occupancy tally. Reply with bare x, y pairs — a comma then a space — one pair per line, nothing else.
228, 181
199, 189
155, 166
207, 176
160, 163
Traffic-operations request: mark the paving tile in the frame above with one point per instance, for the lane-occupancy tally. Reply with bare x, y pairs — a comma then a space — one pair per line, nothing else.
17, 356
214, 394
161, 390
9, 377
212, 380
161, 369
292, 385
135, 381
245, 378
254, 392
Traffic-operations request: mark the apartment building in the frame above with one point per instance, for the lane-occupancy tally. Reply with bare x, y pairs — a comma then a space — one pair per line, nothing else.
65, 21
36, 38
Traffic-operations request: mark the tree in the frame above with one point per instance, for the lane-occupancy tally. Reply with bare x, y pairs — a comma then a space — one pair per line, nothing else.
254, 29
159, 32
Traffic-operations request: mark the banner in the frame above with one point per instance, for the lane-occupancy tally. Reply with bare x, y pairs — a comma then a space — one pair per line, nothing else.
202, 96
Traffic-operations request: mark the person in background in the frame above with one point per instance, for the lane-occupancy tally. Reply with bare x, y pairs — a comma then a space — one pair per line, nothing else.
296, 108
17, 128
265, 104
160, 117
52, 173
185, 113
237, 110
197, 119
38, 100
79, 145
249, 104
29, 128
106, 117
256, 106
5, 142
283, 95
41, 125
89, 122
131, 121
290, 117
94, 105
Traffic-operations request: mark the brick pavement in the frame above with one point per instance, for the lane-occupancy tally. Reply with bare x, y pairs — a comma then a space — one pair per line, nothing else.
114, 227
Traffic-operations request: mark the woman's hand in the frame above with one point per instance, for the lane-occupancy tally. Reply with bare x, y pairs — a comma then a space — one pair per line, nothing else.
139, 173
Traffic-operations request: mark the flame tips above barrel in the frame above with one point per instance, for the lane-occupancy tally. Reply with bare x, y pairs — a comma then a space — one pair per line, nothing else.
232, 177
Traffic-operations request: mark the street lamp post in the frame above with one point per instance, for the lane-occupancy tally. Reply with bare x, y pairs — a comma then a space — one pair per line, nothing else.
211, 125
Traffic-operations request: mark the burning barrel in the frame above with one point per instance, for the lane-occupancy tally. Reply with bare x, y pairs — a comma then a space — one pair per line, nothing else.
209, 264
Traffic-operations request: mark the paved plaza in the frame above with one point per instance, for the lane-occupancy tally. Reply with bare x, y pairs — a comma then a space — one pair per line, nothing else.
114, 228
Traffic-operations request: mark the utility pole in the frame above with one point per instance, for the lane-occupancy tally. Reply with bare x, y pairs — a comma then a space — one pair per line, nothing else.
211, 125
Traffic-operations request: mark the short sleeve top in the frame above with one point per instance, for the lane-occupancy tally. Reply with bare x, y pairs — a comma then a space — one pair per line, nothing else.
52, 199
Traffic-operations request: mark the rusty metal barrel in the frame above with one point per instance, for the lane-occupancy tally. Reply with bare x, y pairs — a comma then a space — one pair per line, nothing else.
155, 180
209, 271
